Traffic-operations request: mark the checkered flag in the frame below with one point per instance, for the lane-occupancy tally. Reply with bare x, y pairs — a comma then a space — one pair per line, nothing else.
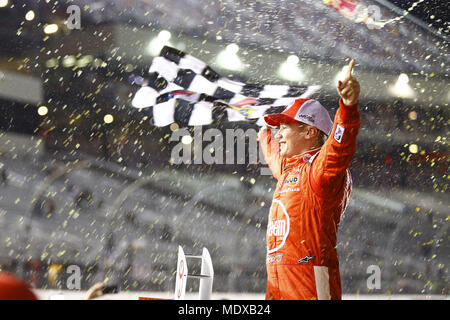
184, 89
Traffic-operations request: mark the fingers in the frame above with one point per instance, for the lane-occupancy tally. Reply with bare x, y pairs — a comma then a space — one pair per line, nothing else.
350, 68
348, 88
99, 285
95, 291
344, 87
261, 131
347, 91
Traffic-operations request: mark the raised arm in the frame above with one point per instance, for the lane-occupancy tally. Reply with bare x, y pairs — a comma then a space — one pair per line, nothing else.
329, 167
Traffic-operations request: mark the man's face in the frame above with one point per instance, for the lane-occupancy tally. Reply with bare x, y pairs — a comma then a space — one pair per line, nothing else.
291, 139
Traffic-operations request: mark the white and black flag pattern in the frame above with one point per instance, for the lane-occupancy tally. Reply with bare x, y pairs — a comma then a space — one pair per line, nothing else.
181, 88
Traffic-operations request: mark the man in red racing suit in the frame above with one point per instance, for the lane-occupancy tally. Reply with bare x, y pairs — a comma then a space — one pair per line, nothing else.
312, 192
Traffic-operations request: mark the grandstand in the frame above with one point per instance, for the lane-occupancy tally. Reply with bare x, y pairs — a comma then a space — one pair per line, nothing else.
215, 210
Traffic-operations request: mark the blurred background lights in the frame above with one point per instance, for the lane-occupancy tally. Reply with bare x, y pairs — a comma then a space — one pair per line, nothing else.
412, 115
108, 118
163, 39
413, 148
50, 28
401, 88
232, 48
51, 63
84, 61
174, 126
42, 110
69, 61
164, 35
30, 15
99, 63
289, 70
228, 58
403, 78
129, 67
292, 60
3, 3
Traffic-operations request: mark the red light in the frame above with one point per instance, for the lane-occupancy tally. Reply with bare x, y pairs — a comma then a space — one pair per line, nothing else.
388, 160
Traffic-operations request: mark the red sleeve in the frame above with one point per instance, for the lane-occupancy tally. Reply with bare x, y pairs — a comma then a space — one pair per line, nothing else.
270, 149
328, 169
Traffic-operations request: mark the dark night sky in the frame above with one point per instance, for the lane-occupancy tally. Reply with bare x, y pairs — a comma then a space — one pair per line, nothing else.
429, 11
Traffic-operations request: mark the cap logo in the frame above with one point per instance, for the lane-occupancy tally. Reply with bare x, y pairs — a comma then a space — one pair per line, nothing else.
339, 133
306, 157
309, 117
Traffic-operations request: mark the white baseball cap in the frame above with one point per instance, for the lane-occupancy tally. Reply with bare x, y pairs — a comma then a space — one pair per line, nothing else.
307, 111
